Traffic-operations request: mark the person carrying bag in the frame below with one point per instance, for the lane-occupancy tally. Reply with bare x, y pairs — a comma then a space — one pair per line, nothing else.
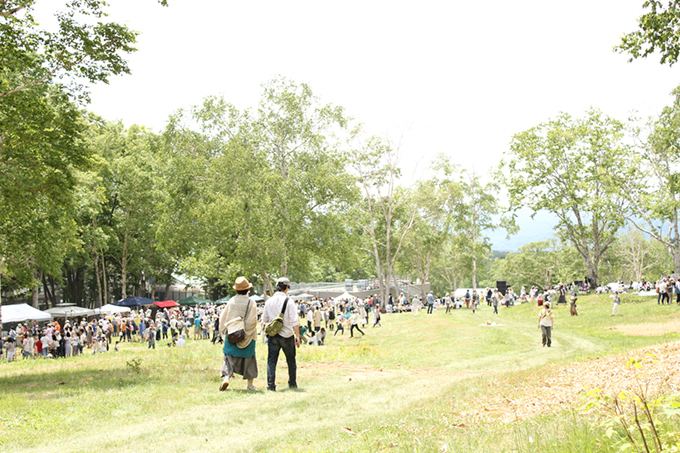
274, 327
239, 323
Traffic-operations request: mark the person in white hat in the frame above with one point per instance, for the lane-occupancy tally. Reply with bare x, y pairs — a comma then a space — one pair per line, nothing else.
288, 339
239, 357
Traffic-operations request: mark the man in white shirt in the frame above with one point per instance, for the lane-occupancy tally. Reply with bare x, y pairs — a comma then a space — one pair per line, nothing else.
287, 339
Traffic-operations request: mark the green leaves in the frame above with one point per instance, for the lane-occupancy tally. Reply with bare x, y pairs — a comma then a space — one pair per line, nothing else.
565, 166
659, 31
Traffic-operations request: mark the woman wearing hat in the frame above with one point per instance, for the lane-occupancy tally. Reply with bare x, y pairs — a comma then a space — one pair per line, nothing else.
239, 358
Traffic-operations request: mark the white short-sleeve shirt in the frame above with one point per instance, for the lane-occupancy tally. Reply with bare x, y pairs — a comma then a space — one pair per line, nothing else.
272, 309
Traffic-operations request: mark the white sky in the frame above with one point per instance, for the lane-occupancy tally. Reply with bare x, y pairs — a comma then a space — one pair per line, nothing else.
444, 76
453, 77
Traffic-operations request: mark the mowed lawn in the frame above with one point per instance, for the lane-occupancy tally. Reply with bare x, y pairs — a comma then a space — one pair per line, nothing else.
401, 387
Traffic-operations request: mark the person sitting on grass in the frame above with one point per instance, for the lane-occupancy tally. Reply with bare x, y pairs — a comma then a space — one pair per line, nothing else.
321, 337
304, 338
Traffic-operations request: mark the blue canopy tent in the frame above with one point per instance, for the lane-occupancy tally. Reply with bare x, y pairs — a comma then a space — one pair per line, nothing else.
134, 302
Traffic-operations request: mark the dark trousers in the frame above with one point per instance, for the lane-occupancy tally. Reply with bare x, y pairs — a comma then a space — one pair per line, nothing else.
429, 308
339, 329
276, 344
545, 335
351, 330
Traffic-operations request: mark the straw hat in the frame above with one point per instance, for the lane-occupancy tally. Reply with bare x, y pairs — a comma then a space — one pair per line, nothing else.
242, 284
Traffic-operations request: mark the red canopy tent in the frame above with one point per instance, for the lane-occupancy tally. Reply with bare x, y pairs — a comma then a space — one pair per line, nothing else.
166, 304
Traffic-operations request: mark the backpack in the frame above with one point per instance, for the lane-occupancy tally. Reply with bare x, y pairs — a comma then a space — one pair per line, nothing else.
275, 325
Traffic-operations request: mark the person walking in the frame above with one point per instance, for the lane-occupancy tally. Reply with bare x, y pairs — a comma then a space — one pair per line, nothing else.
562, 290
475, 301
617, 301
354, 321
331, 318
10, 346
430, 302
317, 319
572, 304
151, 336
545, 323
376, 317
447, 302
239, 358
340, 326
415, 305
495, 301
288, 339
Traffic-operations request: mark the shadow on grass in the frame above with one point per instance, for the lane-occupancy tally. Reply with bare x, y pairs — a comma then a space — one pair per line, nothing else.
44, 384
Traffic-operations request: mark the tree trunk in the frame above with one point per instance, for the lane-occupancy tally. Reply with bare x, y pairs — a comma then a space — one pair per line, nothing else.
474, 273
267, 283
98, 302
123, 282
167, 290
36, 287
675, 254
2, 261
104, 281
284, 263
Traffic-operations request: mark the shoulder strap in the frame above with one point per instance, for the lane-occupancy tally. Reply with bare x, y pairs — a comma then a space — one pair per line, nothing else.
285, 304
247, 308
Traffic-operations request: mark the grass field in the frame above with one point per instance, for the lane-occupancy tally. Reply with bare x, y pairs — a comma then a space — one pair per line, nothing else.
403, 387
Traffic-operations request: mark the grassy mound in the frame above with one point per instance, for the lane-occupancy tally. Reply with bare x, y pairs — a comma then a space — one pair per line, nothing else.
429, 383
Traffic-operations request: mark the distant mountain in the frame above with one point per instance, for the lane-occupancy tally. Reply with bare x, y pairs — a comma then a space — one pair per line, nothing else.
540, 228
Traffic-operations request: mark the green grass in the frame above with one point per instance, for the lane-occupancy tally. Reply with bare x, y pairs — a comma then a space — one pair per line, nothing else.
399, 388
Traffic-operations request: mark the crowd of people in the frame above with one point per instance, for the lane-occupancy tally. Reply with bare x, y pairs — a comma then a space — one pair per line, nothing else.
316, 319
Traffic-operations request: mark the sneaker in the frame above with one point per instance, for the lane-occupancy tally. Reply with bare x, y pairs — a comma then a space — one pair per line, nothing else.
271, 389
225, 384
252, 387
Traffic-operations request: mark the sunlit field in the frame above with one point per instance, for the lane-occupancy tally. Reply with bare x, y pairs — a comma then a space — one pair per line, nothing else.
414, 384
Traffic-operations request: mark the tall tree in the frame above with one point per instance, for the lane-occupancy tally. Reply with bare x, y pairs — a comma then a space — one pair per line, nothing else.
262, 192
477, 216
386, 215
295, 130
650, 183
39, 125
564, 166
659, 31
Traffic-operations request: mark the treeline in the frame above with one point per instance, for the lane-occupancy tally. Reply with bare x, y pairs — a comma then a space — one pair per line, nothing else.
292, 187
94, 211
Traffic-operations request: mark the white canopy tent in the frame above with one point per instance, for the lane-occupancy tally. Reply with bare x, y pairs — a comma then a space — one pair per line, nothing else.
303, 296
111, 309
23, 312
344, 296
614, 286
69, 311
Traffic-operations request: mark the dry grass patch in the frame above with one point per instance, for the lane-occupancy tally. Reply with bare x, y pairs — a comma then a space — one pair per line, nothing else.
560, 388
649, 329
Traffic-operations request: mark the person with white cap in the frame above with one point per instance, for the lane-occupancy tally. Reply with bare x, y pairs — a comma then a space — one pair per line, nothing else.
239, 357
546, 323
288, 338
